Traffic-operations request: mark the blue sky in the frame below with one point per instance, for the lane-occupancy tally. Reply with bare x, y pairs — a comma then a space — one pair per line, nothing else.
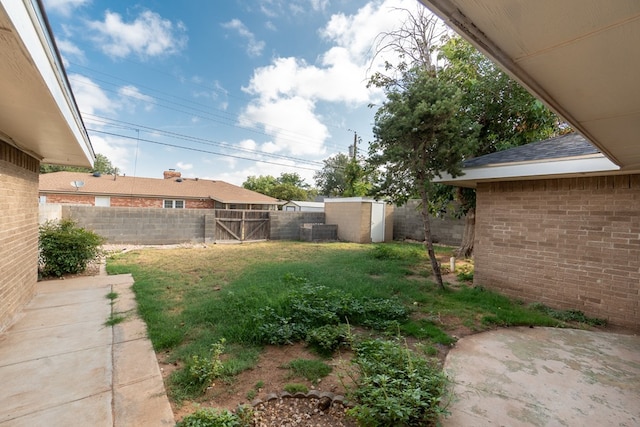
223, 89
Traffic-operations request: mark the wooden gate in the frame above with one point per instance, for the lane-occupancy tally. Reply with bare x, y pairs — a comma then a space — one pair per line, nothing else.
240, 226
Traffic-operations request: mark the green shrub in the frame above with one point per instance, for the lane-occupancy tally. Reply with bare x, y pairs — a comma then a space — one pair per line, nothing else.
207, 417
395, 387
66, 248
203, 370
312, 306
327, 338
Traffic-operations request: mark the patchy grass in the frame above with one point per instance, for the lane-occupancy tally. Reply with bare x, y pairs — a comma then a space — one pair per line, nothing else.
193, 298
311, 370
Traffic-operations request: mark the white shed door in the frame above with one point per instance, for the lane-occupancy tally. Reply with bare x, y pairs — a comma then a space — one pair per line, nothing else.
377, 222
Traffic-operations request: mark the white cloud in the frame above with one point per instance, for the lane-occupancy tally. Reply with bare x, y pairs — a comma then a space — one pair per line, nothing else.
118, 150
133, 93
70, 51
248, 144
184, 166
289, 90
319, 5
90, 97
292, 123
254, 46
147, 36
64, 7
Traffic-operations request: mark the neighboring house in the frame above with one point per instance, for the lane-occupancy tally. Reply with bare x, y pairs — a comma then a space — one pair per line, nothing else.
39, 123
172, 192
558, 223
303, 206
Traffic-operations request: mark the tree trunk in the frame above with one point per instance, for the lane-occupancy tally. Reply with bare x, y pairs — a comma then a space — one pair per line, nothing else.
428, 241
466, 247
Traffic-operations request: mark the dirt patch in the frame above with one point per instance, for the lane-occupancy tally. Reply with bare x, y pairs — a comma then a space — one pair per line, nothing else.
270, 374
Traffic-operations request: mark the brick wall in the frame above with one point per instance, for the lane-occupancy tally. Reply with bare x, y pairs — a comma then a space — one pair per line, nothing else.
18, 231
568, 243
407, 224
119, 201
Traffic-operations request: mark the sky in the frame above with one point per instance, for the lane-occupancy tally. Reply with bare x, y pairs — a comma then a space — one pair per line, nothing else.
227, 89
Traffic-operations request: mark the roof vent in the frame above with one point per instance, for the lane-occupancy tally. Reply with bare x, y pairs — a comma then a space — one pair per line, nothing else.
179, 180
97, 174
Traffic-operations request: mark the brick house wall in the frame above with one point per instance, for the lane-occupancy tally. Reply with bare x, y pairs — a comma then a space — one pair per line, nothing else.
18, 231
568, 243
126, 202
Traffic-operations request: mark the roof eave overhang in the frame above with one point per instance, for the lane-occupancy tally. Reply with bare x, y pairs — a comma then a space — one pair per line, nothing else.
38, 112
600, 102
568, 168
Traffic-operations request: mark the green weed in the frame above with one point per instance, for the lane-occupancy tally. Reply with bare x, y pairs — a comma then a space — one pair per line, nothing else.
312, 370
294, 388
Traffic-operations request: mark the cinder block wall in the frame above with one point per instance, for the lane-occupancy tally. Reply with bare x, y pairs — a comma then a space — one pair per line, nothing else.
285, 225
407, 224
142, 226
18, 231
353, 220
568, 243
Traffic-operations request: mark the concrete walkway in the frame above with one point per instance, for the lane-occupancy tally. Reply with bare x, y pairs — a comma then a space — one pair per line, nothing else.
61, 366
545, 377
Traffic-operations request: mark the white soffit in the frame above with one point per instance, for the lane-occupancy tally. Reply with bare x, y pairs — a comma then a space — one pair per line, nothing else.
37, 111
581, 57
557, 168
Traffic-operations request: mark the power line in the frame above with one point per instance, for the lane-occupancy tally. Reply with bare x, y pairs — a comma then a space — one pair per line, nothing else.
199, 150
136, 127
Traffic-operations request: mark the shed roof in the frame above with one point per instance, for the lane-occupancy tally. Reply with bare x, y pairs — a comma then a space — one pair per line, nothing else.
184, 188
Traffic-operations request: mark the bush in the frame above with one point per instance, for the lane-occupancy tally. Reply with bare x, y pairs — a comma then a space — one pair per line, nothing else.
313, 306
395, 387
326, 339
207, 417
66, 248
203, 370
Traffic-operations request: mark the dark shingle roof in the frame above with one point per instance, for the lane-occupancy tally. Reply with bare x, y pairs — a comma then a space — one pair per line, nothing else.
570, 145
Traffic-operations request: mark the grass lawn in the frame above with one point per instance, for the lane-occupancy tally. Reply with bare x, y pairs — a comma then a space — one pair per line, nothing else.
192, 298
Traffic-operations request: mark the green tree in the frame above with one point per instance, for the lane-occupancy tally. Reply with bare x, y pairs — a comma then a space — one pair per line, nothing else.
507, 116
343, 176
101, 164
288, 186
262, 184
331, 179
419, 134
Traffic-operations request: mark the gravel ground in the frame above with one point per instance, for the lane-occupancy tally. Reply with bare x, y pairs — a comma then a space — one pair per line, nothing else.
303, 412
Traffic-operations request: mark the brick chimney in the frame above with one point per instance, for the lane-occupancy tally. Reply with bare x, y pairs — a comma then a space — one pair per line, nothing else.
171, 173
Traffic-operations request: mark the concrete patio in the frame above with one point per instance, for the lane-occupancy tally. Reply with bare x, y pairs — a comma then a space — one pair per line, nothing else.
545, 377
61, 366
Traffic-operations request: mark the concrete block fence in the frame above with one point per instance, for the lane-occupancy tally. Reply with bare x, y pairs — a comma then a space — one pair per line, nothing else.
154, 226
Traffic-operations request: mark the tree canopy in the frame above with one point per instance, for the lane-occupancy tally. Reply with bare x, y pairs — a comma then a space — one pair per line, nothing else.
288, 186
343, 176
101, 164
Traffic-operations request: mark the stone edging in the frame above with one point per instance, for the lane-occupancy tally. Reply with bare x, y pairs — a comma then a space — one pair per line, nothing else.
313, 394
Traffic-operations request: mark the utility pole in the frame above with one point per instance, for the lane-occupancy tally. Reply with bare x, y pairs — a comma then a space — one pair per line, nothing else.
353, 149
